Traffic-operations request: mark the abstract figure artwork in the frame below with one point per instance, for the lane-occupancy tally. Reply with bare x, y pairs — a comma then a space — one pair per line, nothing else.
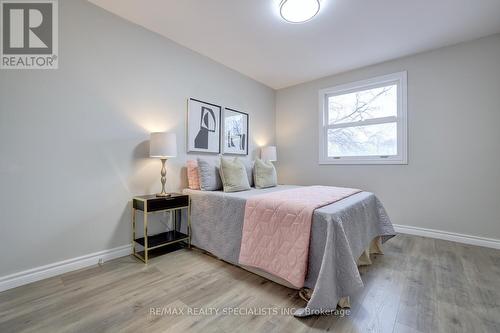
203, 127
235, 132
207, 125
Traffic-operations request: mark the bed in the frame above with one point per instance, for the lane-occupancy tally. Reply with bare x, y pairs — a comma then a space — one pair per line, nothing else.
340, 234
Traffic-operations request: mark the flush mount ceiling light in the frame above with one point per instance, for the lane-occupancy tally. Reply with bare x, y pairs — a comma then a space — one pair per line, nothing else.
299, 11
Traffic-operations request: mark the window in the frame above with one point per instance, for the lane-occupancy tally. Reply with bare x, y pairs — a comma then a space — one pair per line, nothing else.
364, 122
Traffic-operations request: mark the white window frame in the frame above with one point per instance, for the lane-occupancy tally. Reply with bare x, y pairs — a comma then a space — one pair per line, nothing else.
400, 79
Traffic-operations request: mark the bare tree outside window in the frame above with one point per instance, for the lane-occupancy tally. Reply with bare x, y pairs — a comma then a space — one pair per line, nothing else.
352, 135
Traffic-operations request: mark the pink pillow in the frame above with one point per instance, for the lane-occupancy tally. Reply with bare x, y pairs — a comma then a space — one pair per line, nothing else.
192, 173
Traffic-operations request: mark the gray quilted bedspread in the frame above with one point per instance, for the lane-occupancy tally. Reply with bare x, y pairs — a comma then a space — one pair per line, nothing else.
340, 233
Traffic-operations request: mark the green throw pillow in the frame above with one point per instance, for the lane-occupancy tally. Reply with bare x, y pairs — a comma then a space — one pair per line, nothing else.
265, 174
234, 175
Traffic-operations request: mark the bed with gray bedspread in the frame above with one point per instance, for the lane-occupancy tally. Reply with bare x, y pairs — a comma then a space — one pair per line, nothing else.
340, 233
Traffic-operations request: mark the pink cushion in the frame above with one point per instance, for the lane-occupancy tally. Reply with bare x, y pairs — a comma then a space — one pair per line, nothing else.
192, 173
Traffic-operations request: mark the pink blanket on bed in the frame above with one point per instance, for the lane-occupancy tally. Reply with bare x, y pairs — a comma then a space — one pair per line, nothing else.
277, 228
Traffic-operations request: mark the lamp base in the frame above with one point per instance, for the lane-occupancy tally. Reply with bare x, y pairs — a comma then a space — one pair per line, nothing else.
163, 193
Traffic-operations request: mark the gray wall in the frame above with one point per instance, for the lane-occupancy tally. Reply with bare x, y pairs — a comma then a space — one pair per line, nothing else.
73, 140
452, 181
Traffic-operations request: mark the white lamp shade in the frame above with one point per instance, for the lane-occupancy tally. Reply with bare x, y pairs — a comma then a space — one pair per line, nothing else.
163, 145
268, 153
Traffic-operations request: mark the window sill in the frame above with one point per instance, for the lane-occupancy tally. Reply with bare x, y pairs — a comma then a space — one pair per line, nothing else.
347, 161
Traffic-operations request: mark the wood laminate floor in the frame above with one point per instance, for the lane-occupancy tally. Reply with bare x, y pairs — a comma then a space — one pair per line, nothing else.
419, 285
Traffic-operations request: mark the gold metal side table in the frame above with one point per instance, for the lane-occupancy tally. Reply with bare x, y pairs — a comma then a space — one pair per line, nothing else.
151, 203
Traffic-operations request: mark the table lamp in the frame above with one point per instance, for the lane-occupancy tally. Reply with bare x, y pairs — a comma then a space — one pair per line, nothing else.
163, 145
268, 153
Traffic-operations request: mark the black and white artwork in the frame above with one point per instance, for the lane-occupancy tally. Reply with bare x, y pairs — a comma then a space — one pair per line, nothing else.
203, 126
235, 132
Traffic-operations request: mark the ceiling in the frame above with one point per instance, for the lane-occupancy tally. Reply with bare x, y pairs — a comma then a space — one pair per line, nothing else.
250, 37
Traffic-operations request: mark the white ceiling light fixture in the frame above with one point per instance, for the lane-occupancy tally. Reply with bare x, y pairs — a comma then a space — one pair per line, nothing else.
299, 11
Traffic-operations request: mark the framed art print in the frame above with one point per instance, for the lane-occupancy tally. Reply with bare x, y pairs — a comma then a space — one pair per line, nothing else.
203, 127
235, 132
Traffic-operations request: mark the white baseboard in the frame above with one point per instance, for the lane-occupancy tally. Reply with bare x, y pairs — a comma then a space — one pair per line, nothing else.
65, 266
449, 236
47, 271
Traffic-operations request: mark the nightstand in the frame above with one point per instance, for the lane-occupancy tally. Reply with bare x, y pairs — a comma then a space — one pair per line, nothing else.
151, 203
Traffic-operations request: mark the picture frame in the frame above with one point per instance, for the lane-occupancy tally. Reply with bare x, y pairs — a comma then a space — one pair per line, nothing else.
203, 127
236, 131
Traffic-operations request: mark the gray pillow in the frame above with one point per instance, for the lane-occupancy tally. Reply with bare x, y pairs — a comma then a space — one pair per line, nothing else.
249, 168
234, 175
209, 175
264, 174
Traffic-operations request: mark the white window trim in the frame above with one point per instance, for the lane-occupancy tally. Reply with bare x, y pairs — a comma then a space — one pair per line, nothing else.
400, 79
